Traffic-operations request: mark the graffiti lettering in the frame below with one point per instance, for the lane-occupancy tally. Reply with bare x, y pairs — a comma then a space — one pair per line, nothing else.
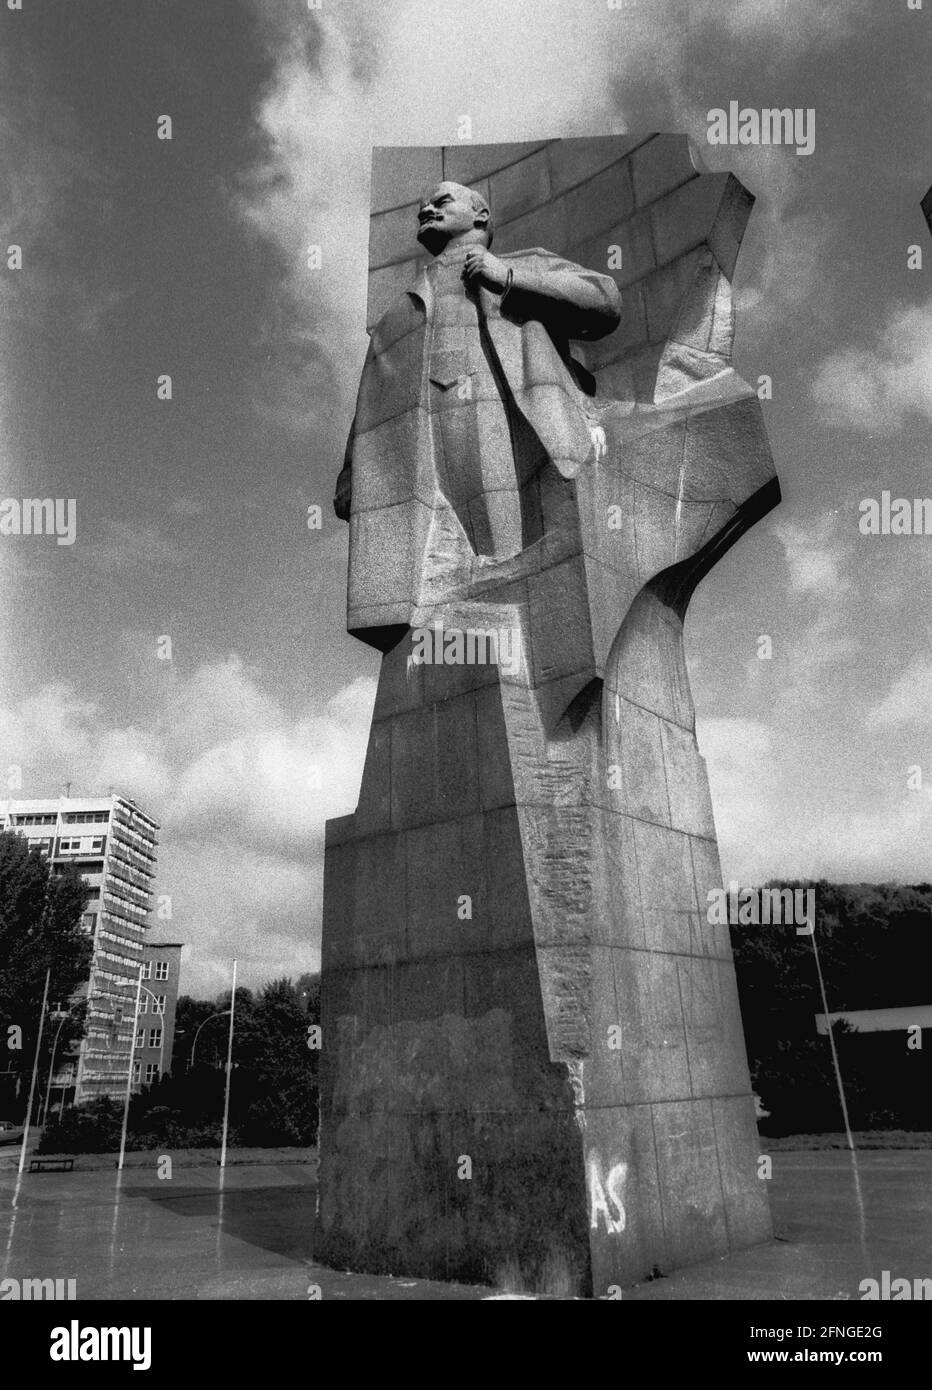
606, 1194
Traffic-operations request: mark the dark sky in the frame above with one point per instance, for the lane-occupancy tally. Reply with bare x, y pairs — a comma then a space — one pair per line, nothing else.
188, 257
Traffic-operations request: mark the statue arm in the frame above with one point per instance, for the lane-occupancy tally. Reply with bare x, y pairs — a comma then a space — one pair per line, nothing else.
570, 300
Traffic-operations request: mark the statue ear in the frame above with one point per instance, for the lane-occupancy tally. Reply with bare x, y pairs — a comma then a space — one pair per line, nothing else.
481, 218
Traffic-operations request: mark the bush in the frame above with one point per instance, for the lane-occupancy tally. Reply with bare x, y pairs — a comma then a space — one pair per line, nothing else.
270, 1122
88, 1129
95, 1128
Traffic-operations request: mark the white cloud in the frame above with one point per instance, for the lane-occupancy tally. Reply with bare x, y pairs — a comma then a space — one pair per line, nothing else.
876, 389
780, 819
890, 840
744, 779
908, 700
794, 249
240, 789
276, 786
230, 901
130, 758
347, 78
218, 701
55, 737
794, 25
821, 641
813, 554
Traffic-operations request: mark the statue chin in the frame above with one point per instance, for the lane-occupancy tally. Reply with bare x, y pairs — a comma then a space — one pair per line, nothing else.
432, 240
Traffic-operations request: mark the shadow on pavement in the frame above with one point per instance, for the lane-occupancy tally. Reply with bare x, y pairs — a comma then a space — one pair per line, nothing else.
278, 1219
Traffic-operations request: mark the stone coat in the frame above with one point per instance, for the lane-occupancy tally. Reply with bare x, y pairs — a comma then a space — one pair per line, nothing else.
394, 485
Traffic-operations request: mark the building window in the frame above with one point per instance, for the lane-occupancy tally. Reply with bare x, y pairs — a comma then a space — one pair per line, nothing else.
159, 1004
87, 922
144, 1004
97, 844
152, 1072
140, 1037
147, 970
155, 1037
68, 846
137, 1072
161, 969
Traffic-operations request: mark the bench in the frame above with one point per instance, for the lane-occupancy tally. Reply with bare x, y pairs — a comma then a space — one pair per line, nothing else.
50, 1165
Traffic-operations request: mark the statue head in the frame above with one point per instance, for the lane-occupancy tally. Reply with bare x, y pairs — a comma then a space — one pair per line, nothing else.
453, 214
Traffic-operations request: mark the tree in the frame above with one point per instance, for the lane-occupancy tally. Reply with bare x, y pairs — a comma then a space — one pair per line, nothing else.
40, 930
288, 1109
308, 991
273, 1099
190, 1013
875, 948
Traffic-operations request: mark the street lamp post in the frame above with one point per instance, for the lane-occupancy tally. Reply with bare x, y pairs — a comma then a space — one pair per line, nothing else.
48, 1089
129, 1074
35, 1070
226, 1097
222, 1014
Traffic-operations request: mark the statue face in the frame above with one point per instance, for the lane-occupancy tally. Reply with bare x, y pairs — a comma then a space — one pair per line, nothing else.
446, 213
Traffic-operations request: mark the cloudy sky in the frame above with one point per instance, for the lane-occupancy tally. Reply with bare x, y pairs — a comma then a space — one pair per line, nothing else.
187, 257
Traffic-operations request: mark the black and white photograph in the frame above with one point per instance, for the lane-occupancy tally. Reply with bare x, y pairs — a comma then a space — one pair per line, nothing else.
465, 668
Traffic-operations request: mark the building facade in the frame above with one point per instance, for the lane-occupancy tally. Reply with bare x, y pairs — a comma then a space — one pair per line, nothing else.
158, 999
113, 844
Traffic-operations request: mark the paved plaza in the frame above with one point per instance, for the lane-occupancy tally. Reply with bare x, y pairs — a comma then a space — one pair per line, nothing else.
251, 1235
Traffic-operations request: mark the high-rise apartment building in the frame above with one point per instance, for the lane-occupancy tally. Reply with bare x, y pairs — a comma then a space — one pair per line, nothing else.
113, 844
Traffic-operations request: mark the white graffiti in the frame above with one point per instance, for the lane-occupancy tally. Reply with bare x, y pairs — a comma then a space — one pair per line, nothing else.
606, 1194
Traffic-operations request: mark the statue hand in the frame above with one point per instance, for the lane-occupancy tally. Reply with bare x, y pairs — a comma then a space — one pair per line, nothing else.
485, 269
